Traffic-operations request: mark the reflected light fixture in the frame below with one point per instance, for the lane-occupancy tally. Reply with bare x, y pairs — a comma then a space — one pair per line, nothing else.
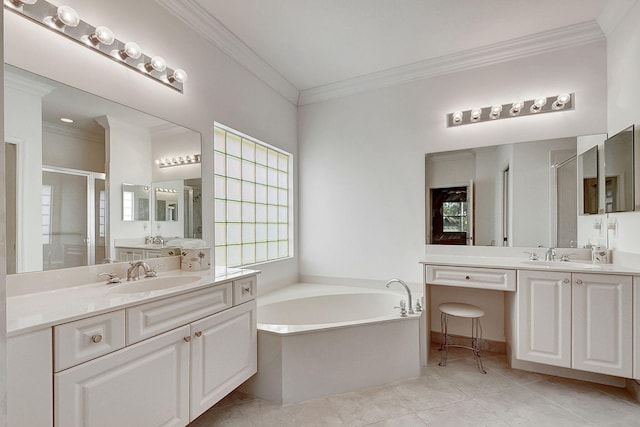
66, 21
189, 159
66, 120
549, 104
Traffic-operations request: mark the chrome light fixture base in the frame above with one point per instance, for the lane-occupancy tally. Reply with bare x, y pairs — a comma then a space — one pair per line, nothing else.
553, 104
46, 14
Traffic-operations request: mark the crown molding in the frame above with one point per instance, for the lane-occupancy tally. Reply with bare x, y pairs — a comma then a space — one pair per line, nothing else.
26, 85
548, 41
203, 23
72, 132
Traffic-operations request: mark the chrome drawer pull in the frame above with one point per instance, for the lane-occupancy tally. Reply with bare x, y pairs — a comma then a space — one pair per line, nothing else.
246, 290
96, 338
578, 282
199, 333
187, 339
467, 278
566, 281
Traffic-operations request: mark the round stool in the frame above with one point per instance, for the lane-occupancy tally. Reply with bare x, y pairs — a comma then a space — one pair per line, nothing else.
467, 311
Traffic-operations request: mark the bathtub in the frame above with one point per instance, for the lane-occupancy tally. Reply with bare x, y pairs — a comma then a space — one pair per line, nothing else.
315, 340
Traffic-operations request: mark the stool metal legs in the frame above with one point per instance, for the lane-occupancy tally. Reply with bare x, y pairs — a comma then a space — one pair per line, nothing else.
476, 340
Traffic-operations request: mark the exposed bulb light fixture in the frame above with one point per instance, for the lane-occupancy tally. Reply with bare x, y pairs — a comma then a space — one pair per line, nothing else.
178, 75
516, 108
456, 117
102, 35
561, 101
550, 104
131, 50
537, 105
65, 20
157, 63
178, 161
496, 110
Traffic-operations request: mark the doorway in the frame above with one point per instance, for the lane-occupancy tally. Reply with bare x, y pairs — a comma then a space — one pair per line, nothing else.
449, 216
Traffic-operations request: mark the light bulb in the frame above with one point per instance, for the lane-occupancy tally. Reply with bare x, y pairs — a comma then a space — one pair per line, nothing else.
496, 110
19, 3
475, 114
179, 75
561, 101
456, 118
102, 35
516, 107
156, 63
537, 105
67, 16
131, 50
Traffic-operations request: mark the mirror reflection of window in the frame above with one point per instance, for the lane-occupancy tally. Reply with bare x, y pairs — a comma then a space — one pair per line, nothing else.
449, 216
127, 205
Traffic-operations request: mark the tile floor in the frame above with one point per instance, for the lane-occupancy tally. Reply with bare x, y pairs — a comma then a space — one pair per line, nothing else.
456, 395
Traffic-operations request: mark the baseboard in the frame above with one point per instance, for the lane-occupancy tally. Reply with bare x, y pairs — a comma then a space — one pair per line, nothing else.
490, 346
634, 388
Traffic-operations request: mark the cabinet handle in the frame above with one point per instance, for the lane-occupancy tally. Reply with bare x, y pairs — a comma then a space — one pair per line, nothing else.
96, 338
467, 278
246, 290
578, 282
566, 281
199, 333
187, 339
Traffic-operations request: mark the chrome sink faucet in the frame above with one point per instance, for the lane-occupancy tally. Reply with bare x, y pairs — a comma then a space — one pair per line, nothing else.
133, 272
550, 255
410, 309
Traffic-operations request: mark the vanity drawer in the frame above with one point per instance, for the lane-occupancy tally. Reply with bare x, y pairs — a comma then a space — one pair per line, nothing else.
156, 317
86, 339
472, 277
244, 290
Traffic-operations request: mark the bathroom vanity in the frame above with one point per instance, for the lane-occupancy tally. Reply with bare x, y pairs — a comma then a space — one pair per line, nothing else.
158, 351
571, 319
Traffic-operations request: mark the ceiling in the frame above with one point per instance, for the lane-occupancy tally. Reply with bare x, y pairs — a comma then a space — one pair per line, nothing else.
313, 44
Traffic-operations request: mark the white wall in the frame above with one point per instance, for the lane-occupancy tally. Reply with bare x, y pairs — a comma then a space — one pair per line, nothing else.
362, 212
218, 88
623, 63
71, 149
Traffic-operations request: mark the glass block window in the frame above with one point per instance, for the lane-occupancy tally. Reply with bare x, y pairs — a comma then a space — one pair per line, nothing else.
252, 200
454, 216
127, 205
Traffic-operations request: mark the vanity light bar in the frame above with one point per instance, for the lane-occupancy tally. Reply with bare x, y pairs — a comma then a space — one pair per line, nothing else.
178, 161
66, 21
540, 105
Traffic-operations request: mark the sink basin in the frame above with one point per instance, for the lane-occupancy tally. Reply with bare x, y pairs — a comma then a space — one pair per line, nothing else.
155, 284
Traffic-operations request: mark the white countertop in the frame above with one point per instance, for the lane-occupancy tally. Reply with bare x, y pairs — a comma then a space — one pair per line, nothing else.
581, 266
39, 310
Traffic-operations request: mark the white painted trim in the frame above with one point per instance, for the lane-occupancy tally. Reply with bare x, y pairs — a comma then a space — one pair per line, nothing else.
561, 38
21, 254
215, 32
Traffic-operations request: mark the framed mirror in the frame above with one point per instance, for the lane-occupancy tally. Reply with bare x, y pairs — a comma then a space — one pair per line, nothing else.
588, 182
619, 172
76, 172
135, 202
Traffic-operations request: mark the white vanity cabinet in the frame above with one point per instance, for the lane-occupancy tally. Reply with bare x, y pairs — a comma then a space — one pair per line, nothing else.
636, 329
577, 320
160, 362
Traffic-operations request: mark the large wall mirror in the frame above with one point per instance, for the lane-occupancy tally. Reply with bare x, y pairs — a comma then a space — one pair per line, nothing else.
520, 195
74, 161
618, 172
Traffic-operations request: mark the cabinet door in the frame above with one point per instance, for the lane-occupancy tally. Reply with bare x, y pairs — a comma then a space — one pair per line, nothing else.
29, 382
544, 317
146, 384
602, 324
223, 355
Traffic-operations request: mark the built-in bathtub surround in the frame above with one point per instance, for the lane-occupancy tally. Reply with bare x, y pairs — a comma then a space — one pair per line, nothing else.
315, 340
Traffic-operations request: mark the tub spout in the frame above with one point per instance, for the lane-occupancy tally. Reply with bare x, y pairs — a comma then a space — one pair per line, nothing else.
410, 309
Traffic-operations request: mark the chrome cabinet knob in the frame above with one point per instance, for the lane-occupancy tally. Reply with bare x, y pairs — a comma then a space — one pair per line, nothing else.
199, 333
97, 338
566, 281
578, 282
187, 339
